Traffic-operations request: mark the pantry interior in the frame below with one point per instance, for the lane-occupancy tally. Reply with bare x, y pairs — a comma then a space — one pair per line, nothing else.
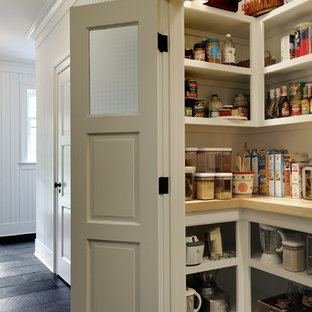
244, 278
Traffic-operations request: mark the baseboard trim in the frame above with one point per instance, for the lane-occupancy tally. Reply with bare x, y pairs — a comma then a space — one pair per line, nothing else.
15, 229
17, 239
44, 254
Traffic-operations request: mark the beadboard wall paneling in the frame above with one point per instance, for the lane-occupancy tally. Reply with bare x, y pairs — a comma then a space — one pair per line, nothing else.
17, 185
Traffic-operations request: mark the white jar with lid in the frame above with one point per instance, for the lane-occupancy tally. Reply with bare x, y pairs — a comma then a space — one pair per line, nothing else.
293, 255
223, 186
204, 185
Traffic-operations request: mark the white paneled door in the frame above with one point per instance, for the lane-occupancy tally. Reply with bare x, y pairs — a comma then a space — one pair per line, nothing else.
62, 185
115, 99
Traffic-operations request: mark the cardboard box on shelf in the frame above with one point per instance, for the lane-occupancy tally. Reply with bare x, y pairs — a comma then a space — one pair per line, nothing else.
288, 160
279, 175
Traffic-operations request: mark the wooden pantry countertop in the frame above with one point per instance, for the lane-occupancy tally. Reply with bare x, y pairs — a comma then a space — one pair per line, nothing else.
287, 206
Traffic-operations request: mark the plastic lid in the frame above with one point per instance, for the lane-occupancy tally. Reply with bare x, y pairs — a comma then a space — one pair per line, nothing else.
190, 169
228, 35
205, 175
210, 149
212, 40
223, 175
268, 227
293, 243
227, 149
191, 149
214, 95
228, 106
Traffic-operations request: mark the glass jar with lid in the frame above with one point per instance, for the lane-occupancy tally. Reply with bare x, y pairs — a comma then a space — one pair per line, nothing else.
226, 161
189, 183
223, 185
215, 105
191, 156
293, 255
204, 185
209, 159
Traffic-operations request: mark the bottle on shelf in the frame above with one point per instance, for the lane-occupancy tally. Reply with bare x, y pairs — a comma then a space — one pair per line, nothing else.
228, 51
270, 104
276, 113
283, 103
305, 107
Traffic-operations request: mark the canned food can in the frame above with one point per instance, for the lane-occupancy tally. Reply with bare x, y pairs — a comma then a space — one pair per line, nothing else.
303, 39
295, 108
188, 111
199, 51
191, 88
213, 51
240, 111
296, 91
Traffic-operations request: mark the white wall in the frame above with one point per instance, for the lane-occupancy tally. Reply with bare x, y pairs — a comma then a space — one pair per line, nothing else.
17, 182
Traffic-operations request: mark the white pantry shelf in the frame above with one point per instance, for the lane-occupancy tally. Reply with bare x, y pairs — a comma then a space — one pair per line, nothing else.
277, 269
287, 67
204, 18
208, 265
287, 15
219, 121
220, 72
287, 120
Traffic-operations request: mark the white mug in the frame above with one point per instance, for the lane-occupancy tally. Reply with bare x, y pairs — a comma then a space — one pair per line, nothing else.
190, 298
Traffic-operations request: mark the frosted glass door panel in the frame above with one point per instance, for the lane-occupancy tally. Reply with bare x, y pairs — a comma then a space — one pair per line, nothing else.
114, 70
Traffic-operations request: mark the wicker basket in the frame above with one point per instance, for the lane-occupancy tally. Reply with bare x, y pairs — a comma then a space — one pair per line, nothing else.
259, 7
268, 60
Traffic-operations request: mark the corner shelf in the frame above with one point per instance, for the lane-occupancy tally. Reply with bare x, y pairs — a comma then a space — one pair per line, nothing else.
208, 265
202, 17
291, 12
287, 120
287, 67
283, 206
277, 269
219, 121
219, 72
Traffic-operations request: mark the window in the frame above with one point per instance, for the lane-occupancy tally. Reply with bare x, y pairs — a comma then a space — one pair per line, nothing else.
31, 126
28, 124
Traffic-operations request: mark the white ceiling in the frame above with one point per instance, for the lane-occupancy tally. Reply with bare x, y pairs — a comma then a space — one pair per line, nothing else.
16, 17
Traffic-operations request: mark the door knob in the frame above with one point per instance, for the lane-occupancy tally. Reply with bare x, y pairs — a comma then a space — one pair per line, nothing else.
57, 184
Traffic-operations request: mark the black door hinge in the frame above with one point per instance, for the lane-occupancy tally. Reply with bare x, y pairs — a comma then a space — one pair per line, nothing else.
162, 43
163, 185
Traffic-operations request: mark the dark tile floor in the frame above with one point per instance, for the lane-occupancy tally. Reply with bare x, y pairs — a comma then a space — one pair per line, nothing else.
26, 285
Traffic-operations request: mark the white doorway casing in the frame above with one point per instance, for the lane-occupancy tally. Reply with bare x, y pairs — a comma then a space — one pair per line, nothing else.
63, 171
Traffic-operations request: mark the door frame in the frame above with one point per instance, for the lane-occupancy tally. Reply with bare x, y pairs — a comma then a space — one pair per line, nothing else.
63, 64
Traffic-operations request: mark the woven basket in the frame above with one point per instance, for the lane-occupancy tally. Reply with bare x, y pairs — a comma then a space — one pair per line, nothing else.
259, 7
268, 60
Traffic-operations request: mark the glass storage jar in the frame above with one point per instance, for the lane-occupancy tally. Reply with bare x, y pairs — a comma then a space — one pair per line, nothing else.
204, 185
215, 105
223, 186
226, 162
191, 156
293, 255
189, 183
209, 159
